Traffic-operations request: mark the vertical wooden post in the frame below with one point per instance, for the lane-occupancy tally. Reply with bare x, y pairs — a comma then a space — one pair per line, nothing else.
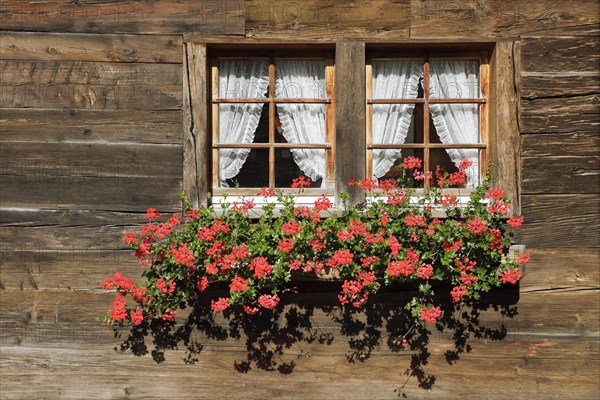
195, 135
350, 112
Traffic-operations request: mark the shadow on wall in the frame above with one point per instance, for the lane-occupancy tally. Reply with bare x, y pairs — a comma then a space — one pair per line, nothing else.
268, 334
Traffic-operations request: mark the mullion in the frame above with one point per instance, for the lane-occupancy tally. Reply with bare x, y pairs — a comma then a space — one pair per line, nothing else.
426, 119
271, 122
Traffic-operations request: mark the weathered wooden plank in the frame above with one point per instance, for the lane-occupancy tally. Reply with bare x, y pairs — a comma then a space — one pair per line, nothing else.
561, 174
502, 19
562, 268
543, 84
61, 189
25, 72
170, 16
585, 144
560, 54
505, 143
283, 19
50, 371
109, 95
350, 112
196, 138
67, 217
90, 47
90, 126
568, 220
73, 160
561, 114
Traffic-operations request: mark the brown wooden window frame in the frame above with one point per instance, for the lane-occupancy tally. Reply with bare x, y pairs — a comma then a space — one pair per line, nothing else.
483, 56
271, 55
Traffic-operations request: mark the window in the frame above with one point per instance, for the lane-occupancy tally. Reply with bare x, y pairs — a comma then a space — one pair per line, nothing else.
272, 121
432, 106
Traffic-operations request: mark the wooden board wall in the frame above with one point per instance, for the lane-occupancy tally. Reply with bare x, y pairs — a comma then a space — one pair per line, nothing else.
92, 133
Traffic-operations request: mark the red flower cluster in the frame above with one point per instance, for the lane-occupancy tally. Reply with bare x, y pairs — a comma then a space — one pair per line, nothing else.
266, 192
476, 226
411, 163
183, 255
430, 314
515, 222
261, 267
268, 301
341, 257
220, 305
458, 292
510, 276
151, 213
165, 286
291, 228
286, 245
238, 284
301, 182
118, 312
322, 204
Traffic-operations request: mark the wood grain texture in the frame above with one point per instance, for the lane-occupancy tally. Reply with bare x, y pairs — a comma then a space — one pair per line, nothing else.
327, 19
560, 85
505, 139
561, 114
90, 47
350, 112
569, 220
90, 126
560, 54
585, 144
143, 16
561, 174
502, 19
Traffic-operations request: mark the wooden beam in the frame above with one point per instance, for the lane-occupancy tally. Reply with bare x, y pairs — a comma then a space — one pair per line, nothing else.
350, 98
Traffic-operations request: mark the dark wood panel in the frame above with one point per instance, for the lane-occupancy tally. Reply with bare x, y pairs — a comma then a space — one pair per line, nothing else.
493, 18
562, 269
586, 144
104, 373
90, 47
561, 115
350, 116
536, 85
67, 217
561, 174
20, 72
560, 54
169, 16
57, 190
329, 19
69, 161
556, 221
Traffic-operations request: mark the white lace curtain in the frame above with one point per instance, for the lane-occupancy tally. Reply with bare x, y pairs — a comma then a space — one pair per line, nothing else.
303, 123
397, 79
456, 123
238, 121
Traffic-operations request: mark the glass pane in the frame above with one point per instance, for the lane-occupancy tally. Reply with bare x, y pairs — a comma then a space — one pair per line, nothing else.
243, 123
300, 123
386, 164
300, 79
243, 79
454, 79
397, 123
454, 123
243, 168
449, 161
397, 79
293, 163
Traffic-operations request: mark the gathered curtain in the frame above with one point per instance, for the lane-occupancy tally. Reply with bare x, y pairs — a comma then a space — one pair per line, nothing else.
398, 79
303, 123
456, 123
238, 121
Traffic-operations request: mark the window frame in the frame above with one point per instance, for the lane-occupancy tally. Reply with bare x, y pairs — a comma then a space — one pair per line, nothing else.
271, 55
425, 54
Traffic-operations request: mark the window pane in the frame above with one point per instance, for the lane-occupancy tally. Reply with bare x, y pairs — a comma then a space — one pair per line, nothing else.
449, 161
300, 79
243, 168
386, 164
455, 123
397, 123
300, 123
454, 79
292, 163
243, 123
243, 79
396, 79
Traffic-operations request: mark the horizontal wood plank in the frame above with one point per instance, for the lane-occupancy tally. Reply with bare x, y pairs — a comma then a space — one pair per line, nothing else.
560, 174
560, 54
576, 144
538, 85
145, 17
561, 114
333, 20
568, 220
90, 47
498, 19
562, 269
